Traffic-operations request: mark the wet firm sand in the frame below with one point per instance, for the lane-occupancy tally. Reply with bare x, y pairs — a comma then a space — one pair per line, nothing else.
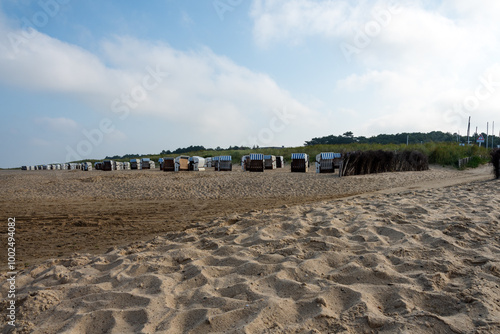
269, 252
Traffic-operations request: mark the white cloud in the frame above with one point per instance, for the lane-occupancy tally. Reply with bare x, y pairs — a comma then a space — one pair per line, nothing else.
47, 64
420, 61
422, 101
293, 21
385, 33
206, 92
297, 19
197, 90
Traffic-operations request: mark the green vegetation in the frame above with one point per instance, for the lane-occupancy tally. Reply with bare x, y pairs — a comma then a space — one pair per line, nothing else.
475, 162
448, 154
445, 154
200, 148
440, 148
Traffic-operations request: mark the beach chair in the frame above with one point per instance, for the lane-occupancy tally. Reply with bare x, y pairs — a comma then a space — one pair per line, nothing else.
327, 162
196, 163
145, 163
182, 163
280, 161
256, 162
215, 163
225, 163
270, 162
135, 164
108, 165
168, 164
300, 163
245, 162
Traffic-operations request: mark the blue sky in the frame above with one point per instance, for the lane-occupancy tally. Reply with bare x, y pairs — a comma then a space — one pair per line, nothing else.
86, 79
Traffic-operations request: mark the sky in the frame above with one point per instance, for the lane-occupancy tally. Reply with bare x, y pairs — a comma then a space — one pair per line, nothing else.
87, 79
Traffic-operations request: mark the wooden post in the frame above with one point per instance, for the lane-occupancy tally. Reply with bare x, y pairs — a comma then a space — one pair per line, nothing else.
468, 132
487, 133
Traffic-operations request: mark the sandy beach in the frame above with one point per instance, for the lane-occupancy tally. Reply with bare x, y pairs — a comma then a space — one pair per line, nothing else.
272, 252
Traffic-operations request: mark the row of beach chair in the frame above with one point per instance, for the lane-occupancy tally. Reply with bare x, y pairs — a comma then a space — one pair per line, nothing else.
86, 166
254, 162
325, 162
196, 163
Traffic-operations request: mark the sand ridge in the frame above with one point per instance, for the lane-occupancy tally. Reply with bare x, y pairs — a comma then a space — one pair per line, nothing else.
419, 261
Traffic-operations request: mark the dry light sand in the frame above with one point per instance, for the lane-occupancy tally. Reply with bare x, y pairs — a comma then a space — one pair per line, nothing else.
273, 252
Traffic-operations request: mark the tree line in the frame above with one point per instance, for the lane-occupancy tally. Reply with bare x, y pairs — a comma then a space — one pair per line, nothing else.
197, 148
400, 138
